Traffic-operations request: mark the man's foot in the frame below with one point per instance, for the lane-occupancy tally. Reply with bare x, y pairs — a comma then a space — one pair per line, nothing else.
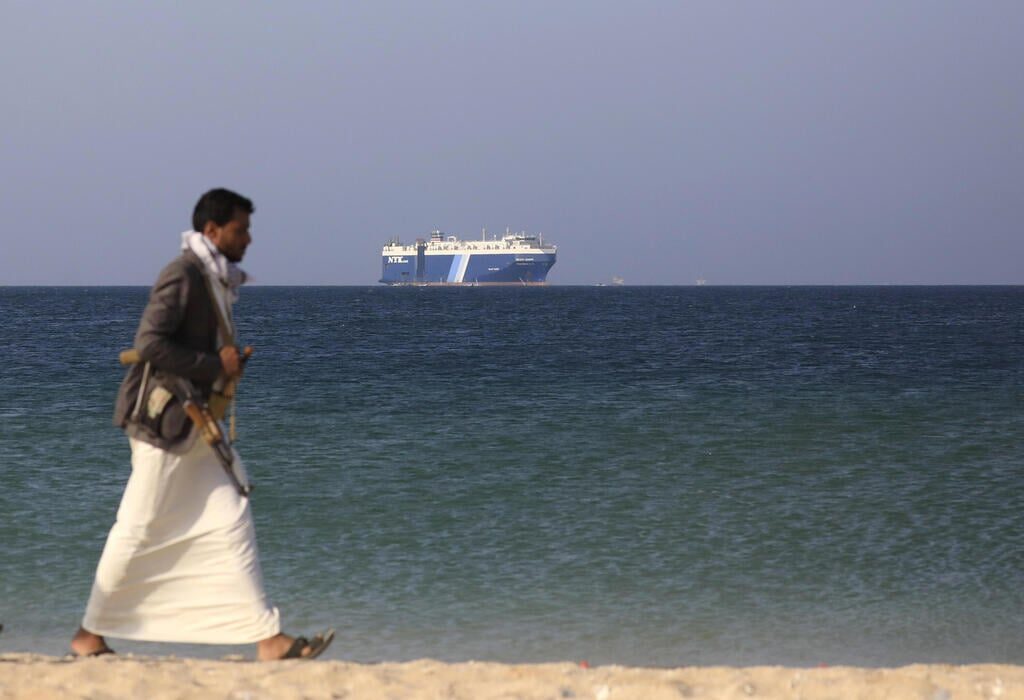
85, 643
281, 646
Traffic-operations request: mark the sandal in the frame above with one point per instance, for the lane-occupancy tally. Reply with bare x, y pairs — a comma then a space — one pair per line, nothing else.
316, 646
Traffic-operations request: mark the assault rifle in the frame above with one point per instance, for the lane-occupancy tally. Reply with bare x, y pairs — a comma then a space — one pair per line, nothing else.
212, 433
203, 418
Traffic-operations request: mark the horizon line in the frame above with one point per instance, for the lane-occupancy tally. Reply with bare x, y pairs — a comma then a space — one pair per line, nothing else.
542, 286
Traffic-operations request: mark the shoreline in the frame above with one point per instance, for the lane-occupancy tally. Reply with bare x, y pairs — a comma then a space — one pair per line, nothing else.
25, 675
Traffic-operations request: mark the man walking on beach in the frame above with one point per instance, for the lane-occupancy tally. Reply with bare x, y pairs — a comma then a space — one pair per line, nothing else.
180, 563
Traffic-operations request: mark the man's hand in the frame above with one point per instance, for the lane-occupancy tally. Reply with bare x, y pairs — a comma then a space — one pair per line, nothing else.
231, 360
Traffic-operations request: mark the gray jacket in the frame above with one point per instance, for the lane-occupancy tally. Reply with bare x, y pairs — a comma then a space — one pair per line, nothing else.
177, 335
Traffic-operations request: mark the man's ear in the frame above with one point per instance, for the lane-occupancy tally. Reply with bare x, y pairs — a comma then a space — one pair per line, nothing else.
210, 228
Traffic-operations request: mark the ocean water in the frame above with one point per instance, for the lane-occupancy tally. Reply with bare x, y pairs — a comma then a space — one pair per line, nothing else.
648, 476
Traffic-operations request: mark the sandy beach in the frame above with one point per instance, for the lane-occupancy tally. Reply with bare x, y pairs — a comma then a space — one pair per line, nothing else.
34, 676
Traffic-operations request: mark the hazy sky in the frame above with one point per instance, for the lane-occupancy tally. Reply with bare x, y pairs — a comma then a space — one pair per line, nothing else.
745, 143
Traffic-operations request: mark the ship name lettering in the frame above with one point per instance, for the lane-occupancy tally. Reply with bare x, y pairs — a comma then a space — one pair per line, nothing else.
397, 259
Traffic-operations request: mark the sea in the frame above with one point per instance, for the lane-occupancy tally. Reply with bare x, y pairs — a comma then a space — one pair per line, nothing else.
650, 476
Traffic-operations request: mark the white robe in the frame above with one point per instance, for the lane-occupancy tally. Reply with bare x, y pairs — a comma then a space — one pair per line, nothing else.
181, 563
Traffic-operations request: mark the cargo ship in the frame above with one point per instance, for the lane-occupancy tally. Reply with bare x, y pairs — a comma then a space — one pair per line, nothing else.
515, 258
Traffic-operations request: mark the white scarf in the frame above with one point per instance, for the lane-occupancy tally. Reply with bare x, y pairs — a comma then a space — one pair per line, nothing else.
225, 276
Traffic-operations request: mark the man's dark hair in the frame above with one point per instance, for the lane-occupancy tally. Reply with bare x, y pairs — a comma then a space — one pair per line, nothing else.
219, 205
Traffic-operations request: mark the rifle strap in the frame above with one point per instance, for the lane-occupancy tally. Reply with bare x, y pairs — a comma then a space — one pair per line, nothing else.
228, 336
142, 391
226, 330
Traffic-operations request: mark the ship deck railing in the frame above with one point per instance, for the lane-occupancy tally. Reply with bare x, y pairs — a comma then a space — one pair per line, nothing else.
470, 246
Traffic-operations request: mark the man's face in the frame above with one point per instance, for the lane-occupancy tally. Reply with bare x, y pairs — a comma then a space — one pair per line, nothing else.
233, 237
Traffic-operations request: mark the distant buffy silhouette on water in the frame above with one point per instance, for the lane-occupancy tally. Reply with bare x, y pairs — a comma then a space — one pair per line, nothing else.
515, 258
